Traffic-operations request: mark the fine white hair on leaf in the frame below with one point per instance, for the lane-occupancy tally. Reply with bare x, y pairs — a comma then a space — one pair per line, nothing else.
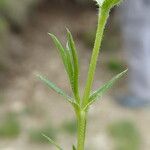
108, 4
100, 2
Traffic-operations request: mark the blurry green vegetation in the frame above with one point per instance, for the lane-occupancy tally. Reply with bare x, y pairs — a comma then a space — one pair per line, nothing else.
33, 110
125, 135
10, 127
70, 127
3, 67
1, 98
2, 3
115, 65
35, 135
4, 27
28, 111
3, 24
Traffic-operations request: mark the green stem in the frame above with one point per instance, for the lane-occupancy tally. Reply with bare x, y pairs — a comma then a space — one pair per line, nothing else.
81, 130
81, 115
102, 19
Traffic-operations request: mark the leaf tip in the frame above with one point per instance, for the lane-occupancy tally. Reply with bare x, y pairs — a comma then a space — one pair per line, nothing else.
38, 75
51, 35
67, 29
125, 71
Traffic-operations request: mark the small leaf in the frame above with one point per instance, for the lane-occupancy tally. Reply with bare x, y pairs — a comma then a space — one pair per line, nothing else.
53, 86
98, 93
74, 148
72, 48
70, 66
58, 90
52, 142
61, 50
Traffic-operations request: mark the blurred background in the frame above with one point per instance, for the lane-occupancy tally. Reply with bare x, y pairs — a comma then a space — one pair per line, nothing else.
28, 108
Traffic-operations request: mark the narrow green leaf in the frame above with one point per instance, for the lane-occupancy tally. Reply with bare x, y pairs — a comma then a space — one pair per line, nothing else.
52, 142
98, 93
61, 50
58, 90
53, 86
74, 148
72, 48
70, 66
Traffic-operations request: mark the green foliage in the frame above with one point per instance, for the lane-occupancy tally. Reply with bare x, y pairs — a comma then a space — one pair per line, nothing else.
108, 4
70, 127
35, 135
54, 87
1, 98
61, 51
72, 48
2, 4
125, 135
10, 127
98, 93
70, 60
4, 29
52, 142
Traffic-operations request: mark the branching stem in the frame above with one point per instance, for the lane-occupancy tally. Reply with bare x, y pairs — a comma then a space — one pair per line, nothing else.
70, 60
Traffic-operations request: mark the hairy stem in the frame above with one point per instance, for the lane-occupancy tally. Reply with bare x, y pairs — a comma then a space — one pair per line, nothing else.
102, 19
81, 130
81, 115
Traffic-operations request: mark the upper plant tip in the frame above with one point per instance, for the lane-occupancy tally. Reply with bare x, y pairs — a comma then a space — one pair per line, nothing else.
108, 4
99, 2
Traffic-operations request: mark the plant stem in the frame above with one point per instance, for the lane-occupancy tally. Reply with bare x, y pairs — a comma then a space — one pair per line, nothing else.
81, 118
102, 19
81, 115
